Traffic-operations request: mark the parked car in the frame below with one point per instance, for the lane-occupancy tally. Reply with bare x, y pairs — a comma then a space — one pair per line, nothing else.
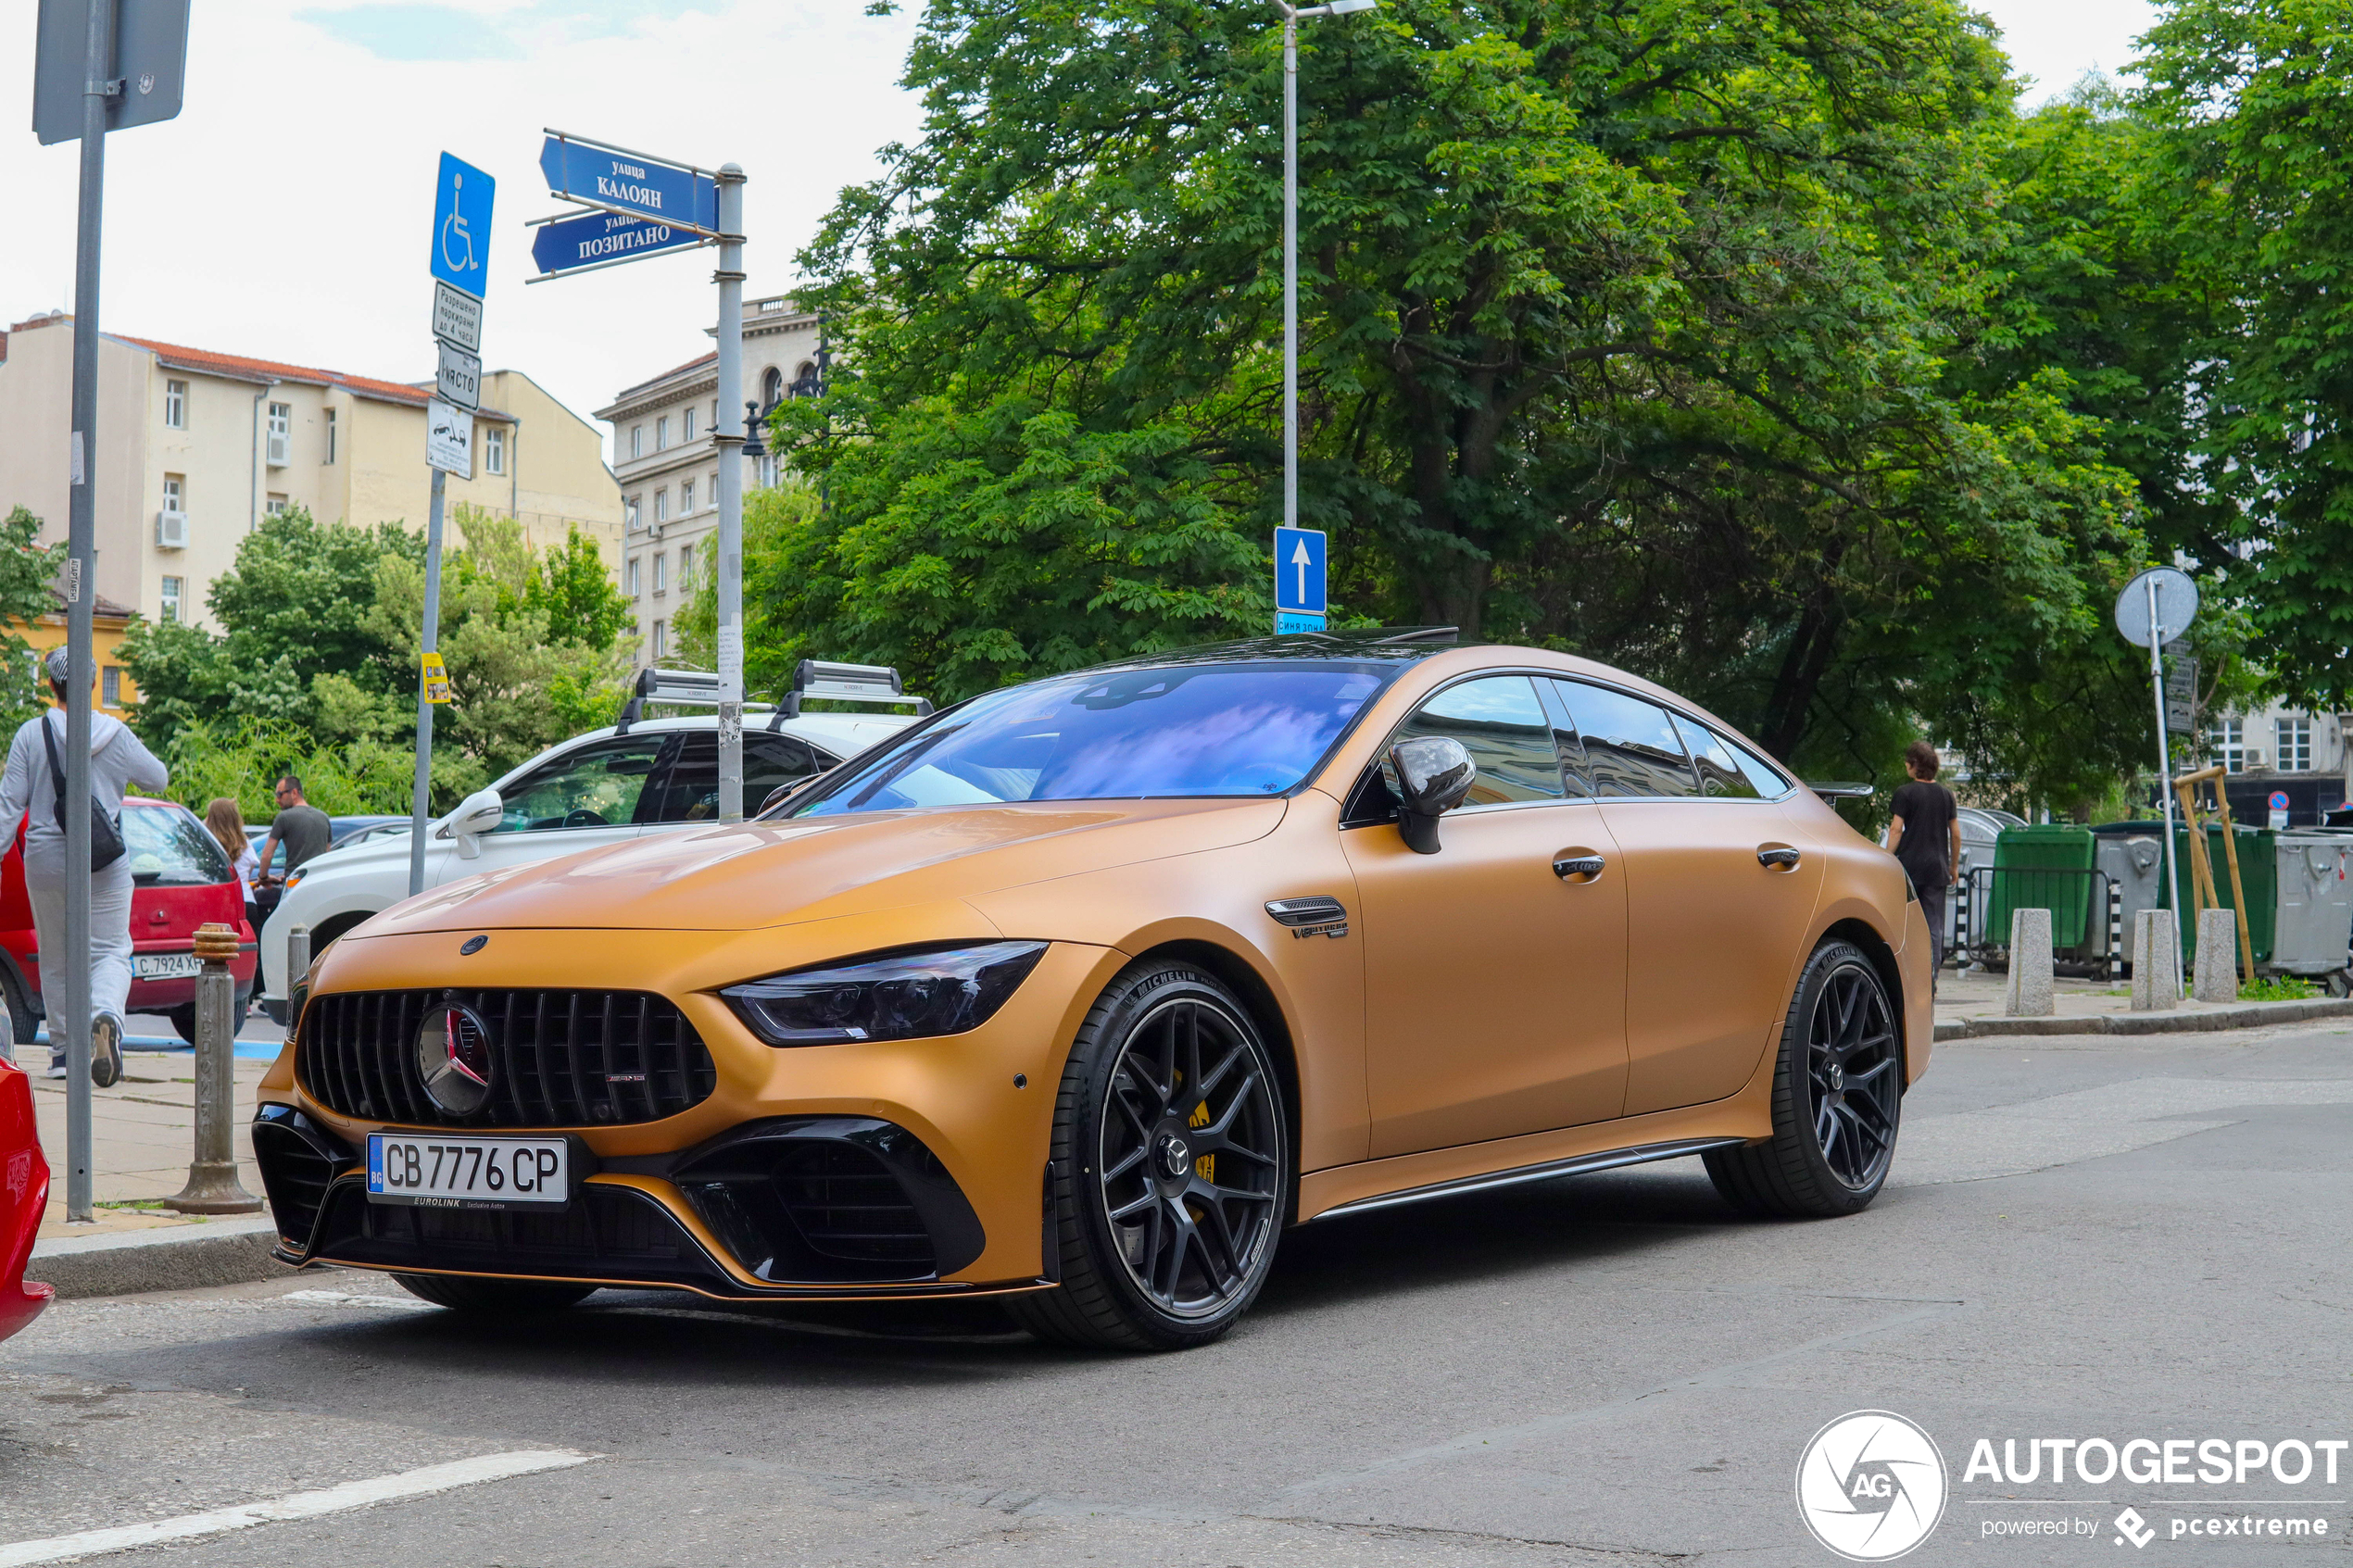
341, 831
1187, 949
181, 879
637, 777
24, 1192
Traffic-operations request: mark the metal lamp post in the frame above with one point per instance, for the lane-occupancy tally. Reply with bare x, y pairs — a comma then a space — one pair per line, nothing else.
1292, 15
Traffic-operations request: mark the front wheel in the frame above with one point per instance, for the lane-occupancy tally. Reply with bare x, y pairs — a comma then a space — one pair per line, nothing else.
1838, 1093
492, 1297
1171, 1169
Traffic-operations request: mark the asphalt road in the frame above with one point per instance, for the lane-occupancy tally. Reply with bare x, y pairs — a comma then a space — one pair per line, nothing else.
2087, 1239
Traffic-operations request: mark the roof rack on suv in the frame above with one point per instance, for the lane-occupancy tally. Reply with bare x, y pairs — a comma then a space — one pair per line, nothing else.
823, 679
681, 688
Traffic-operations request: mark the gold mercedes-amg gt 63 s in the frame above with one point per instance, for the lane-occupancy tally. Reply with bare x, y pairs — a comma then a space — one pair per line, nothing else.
1078, 994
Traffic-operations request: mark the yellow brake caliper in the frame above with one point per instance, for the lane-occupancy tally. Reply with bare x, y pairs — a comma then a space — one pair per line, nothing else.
1206, 1166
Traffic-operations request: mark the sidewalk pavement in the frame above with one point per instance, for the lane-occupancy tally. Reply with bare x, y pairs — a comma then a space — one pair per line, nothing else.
1969, 1002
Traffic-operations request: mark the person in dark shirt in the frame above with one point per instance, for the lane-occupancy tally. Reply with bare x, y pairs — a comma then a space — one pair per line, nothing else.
1925, 836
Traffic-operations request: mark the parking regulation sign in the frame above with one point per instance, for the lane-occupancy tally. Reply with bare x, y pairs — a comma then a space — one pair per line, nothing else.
1300, 597
462, 201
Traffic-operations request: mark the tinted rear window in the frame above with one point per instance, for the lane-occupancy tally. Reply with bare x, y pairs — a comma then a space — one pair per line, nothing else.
170, 848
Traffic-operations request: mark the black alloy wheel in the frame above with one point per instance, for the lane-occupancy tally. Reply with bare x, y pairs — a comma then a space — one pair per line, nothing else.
1171, 1167
1838, 1090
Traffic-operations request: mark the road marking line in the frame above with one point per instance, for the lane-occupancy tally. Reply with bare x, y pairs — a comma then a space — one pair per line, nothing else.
301, 1505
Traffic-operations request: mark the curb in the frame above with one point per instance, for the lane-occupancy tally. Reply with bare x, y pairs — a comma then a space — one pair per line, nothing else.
2251, 1015
234, 1250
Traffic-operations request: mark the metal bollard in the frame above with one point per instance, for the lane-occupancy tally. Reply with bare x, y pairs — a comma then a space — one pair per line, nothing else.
212, 1175
297, 962
2115, 931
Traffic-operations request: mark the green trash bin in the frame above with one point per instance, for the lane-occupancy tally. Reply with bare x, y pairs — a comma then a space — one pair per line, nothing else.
2043, 867
2259, 868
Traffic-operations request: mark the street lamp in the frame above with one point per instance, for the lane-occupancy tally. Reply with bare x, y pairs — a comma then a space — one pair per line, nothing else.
1292, 15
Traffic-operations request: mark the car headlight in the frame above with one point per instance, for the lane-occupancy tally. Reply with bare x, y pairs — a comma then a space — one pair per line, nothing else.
295, 877
903, 995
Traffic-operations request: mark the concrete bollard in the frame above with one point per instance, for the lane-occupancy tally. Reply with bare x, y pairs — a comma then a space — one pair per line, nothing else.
2028, 995
2216, 976
2156, 961
212, 1175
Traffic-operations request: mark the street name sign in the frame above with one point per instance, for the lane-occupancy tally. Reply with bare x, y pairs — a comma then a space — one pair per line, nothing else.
461, 202
593, 175
459, 377
1299, 580
457, 318
600, 239
449, 438
150, 64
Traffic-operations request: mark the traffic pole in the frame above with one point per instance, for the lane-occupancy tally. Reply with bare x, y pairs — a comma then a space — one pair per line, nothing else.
431, 632
729, 438
2164, 761
73, 1017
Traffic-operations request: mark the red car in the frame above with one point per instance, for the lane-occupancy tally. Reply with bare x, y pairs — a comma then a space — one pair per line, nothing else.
24, 1190
179, 880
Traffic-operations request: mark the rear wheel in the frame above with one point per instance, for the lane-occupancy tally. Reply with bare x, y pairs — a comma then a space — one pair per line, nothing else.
1170, 1173
23, 1022
184, 1019
1838, 1093
493, 1297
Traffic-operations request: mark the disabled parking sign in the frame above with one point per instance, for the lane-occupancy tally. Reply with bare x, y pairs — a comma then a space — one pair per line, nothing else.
462, 201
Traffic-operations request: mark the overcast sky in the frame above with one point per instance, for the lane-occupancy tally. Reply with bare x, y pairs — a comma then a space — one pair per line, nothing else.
284, 214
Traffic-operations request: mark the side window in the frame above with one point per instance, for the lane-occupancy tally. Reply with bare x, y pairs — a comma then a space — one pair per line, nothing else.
1630, 746
771, 762
689, 791
1504, 728
1564, 739
1770, 782
1719, 770
595, 786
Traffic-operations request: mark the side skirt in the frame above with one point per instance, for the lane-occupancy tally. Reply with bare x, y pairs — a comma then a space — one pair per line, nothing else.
1641, 1154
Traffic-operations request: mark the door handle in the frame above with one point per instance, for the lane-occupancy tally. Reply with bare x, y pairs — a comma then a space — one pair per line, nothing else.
1776, 855
1579, 867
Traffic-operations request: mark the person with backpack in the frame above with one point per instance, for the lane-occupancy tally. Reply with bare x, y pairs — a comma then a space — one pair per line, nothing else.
34, 781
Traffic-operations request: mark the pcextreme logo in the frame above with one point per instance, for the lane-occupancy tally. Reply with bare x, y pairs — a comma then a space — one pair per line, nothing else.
1870, 1485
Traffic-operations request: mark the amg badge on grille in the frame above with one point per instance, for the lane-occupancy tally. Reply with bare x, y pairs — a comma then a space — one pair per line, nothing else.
453, 1058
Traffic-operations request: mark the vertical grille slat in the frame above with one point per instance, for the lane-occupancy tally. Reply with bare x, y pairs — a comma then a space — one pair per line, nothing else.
555, 1055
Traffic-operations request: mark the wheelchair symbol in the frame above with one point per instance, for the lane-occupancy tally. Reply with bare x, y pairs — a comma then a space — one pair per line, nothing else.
454, 226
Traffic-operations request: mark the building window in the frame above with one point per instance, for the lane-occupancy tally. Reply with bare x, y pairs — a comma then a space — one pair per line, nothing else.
174, 492
661, 573
629, 512
170, 597
275, 506
686, 497
331, 435
690, 422
2227, 741
636, 441
772, 387
110, 685
175, 404
661, 506
633, 576
2295, 738
685, 566
281, 434
494, 449
659, 640
714, 491
661, 433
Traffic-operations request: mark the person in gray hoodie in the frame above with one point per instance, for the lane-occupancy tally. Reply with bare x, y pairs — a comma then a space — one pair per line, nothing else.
117, 762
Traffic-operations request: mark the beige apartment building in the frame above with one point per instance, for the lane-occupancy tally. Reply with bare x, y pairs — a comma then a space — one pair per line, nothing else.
668, 465
196, 448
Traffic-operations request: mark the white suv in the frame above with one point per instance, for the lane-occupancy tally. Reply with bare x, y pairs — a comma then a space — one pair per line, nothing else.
638, 777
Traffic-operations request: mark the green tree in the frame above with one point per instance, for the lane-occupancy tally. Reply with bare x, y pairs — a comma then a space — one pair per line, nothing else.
26, 570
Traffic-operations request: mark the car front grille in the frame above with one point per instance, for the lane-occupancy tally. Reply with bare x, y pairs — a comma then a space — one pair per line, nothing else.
559, 1058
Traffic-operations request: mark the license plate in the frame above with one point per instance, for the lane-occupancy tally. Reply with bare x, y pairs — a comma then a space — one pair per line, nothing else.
167, 966
467, 1173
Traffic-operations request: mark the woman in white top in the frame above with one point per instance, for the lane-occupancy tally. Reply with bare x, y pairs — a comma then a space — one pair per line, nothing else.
228, 825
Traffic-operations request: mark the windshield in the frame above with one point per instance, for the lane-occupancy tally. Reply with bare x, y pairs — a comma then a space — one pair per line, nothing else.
171, 849
1254, 728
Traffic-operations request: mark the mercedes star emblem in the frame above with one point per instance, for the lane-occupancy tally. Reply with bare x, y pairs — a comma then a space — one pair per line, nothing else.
453, 1058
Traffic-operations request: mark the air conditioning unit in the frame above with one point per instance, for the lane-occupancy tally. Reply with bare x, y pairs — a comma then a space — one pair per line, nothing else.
280, 450
2251, 757
171, 531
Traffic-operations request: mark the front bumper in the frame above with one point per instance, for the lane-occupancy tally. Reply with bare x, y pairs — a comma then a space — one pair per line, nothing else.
761, 1190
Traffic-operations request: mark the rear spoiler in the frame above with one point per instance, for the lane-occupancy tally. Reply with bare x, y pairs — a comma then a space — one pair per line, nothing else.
1832, 792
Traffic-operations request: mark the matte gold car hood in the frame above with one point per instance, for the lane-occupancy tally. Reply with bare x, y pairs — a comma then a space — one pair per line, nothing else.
761, 874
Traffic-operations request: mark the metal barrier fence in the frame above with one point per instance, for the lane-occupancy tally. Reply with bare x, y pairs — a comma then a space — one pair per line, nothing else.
2078, 900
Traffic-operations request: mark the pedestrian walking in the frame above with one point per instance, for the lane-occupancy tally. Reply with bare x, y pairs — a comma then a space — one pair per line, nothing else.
228, 827
34, 781
1925, 838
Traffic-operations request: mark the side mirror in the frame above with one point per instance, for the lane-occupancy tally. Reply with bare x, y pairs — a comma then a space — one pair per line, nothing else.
1430, 776
478, 813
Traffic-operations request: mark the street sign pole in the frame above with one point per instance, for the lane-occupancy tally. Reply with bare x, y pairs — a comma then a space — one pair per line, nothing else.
420, 792
74, 1018
729, 437
2164, 750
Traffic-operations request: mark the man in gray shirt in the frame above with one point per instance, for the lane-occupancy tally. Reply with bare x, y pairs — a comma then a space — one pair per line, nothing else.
300, 826
117, 762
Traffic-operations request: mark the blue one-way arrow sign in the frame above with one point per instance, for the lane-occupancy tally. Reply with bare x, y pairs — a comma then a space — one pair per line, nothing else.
601, 239
678, 194
462, 204
1299, 580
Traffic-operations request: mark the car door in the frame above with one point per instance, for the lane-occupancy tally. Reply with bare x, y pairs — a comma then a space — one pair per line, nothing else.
1495, 985
582, 798
688, 791
1719, 893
